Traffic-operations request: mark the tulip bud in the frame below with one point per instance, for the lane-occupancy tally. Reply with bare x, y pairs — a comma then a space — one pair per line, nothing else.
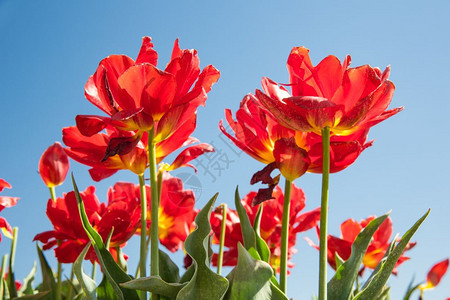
54, 165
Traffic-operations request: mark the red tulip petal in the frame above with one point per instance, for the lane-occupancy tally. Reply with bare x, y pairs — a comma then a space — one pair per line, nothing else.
307, 220
4, 184
149, 88
329, 73
190, 154
90, 124
302, 73
291, 160
147, 54
6, 201
101, 89
350, 229
436, 273
284, 113
98, 174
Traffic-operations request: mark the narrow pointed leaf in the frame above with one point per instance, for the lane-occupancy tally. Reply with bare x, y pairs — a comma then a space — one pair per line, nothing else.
248, 234
110, 268
87, 283
48, 280
261, 245
376, 285
204, 284
340, 286
27, 286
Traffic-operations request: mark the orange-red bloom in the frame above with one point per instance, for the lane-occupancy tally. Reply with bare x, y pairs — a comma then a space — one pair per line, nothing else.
292, 152
121, 213
270, 226
435, 275
329, 95
176, 212
137, 96
377, 247
91, 150
54, 165
6, 201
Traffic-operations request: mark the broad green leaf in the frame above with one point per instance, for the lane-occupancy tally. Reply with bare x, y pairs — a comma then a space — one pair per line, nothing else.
156, 285
168, 270
27, 286
187, 276
87, 283
204, 284
110, 268
248, 234
48, 279
261, 246
105, 290
250, 279
340, 286
377, 283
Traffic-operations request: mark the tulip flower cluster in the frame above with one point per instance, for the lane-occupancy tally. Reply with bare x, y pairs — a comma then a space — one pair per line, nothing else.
319, 122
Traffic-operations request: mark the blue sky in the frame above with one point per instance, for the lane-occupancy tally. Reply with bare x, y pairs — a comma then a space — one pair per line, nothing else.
50, 48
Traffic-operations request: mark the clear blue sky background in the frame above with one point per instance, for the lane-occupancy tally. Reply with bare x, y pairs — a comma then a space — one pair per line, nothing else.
49, 49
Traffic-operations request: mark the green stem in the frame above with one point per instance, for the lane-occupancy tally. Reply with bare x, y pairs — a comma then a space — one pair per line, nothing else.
222, 238
154, 251
70, 286
94, 270
324, 214
59, 267
12, 256
285, 236
2, 276
143, 248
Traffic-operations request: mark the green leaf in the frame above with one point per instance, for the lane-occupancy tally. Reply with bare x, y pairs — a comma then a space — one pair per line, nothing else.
385, 267
40, 295
248, 234
105, 290
27, 286
48, 280
187, 276
261, 245
110, 268
156, 285
250, 279
87, 283
340, 286
204, 284
168, 270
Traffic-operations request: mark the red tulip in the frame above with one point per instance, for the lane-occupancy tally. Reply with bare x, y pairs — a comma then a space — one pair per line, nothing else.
54, 165
292, 152
435, 275
376, 249
329, 95
6, 201
121, 213
176, 212
270, 227
137, 96
91, 150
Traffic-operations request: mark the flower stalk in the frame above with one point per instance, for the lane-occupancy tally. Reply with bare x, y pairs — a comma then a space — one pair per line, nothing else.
222, 238
285, 235
143, 246
154, 236
59, 267
324, 214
